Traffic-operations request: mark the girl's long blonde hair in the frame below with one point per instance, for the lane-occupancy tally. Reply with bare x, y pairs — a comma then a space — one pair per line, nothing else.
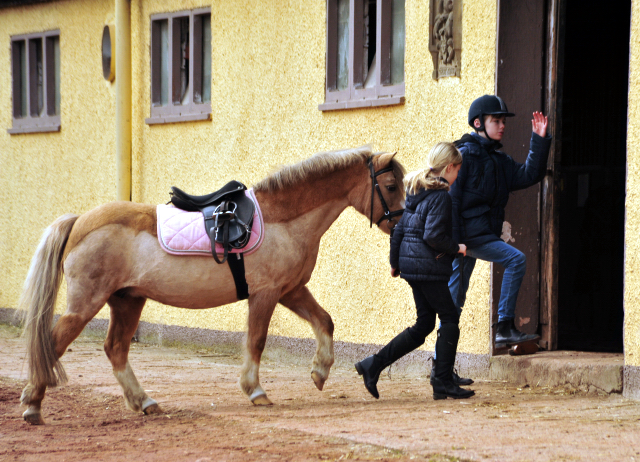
441, 155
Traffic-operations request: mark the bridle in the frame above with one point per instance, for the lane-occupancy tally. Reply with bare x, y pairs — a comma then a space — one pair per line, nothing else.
388, 215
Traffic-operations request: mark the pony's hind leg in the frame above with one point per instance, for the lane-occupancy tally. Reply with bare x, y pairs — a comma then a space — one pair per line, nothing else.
65, 331
302, 303
125, 315
261, 306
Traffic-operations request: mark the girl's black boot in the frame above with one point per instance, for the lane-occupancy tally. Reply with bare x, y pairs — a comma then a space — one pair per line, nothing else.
443, 383
443, 389
371, 367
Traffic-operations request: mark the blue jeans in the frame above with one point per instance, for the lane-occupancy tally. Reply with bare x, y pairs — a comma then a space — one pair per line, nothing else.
514, 263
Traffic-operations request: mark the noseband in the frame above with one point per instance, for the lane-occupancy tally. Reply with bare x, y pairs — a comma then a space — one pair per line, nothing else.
388, 215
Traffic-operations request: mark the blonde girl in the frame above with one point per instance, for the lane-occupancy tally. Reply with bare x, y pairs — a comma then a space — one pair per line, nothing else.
422, 253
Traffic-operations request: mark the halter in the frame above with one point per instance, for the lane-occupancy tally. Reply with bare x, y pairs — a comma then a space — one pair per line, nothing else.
375, 186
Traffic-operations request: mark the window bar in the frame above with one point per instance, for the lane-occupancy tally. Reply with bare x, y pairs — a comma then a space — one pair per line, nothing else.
332, 45
49, 77
196, 64
155, 62
16, 69
175, 60
358, 43
384, 47
32, 72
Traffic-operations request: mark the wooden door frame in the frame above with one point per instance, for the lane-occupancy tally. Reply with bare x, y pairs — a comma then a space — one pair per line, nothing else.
549, 219
522, 80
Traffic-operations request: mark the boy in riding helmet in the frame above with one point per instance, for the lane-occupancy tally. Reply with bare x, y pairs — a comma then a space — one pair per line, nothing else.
422, 250
479, 197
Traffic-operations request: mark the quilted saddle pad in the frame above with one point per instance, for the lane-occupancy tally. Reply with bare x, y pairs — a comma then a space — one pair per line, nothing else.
183, 233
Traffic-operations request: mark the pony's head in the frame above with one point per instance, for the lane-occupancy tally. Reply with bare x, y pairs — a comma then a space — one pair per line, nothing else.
387, 191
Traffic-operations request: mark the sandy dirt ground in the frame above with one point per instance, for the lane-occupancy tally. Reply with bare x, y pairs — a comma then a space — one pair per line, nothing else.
207, 418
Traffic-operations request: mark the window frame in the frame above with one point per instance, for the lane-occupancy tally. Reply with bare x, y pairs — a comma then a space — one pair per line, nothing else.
48, 120
176, 112
355, 95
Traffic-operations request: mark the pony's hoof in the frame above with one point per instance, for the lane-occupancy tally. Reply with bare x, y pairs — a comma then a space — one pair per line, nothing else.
150, 406
153, 409
261, 400
318, 380
33, 417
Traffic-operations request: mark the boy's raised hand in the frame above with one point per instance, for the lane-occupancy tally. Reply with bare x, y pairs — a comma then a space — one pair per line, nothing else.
539, 124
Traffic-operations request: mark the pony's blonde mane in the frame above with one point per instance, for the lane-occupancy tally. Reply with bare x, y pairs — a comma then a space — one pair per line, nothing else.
318, 165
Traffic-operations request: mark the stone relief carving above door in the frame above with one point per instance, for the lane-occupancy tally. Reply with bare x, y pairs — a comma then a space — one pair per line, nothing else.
445, 37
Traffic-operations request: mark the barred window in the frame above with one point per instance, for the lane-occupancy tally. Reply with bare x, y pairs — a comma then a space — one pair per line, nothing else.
35, 72
180, 66
365, 53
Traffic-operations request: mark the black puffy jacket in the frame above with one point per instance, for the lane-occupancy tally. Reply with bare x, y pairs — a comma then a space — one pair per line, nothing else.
486, 178
422, 246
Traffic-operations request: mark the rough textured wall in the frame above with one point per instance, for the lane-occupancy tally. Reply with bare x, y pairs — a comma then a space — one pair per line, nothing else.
632, 229
267, 84
45, 175
267, 81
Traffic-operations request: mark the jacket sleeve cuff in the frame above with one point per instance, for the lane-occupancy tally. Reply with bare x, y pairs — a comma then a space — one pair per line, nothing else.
540, 143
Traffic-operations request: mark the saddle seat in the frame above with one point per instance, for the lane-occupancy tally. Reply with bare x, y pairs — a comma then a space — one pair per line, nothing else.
193, 203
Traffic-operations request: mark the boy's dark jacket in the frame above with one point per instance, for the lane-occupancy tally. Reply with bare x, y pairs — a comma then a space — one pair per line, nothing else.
486, 178
422, 246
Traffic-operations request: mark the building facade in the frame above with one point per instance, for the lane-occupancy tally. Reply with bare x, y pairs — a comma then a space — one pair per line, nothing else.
103, 101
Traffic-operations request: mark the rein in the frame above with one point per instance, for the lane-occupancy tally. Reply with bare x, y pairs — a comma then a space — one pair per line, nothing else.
389, 215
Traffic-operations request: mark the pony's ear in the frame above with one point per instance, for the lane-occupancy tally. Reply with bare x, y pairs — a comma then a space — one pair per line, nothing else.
385, 159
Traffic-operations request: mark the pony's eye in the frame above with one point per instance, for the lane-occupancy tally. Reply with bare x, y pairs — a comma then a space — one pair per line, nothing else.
391, 188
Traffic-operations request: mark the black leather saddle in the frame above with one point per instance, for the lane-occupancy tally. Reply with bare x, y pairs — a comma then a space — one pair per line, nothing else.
228, 215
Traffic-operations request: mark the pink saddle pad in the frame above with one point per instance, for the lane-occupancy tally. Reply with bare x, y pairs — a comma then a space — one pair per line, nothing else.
183, 233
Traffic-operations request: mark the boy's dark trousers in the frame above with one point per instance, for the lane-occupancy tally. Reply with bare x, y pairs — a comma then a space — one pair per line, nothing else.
431, 298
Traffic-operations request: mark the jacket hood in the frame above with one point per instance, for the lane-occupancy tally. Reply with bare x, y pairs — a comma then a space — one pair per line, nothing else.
412, 200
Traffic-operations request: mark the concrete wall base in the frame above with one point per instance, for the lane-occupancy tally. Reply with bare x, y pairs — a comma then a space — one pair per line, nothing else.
283, 349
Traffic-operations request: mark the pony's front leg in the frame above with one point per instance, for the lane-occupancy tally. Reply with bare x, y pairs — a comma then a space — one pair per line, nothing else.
261, 306
302, 303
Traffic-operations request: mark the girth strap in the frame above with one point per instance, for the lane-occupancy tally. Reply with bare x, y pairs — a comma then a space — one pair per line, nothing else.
237, 270
216, 220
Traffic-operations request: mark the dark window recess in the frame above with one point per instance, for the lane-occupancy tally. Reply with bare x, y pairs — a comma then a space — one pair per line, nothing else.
365, 53
180, 66
35, 75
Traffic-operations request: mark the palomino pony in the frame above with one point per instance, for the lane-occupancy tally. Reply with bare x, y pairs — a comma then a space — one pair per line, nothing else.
111, 255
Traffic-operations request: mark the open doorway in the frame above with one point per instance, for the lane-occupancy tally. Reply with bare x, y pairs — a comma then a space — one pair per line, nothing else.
591, 164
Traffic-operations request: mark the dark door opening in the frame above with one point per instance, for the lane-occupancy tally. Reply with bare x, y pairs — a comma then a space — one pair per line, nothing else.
591, 191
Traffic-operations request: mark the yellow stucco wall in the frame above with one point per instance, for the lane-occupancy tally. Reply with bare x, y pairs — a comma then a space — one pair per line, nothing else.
45, 175
632, 228
267, 81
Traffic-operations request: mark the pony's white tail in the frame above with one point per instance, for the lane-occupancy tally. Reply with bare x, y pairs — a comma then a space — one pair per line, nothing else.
38, 302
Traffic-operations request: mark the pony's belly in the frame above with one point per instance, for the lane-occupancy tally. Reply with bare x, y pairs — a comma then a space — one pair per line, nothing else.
188, 282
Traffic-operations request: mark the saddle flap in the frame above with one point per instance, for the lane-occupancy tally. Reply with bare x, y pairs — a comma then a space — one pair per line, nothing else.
239, 225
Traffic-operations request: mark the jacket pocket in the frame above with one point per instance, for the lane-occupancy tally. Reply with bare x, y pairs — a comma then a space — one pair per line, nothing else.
476, 221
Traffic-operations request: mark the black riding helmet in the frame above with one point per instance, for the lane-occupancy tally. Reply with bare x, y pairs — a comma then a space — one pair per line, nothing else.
487, 105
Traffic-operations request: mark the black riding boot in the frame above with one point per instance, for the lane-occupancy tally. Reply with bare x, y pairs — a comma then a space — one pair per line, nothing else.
446, 345
371, 367
456, 378
507, 334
